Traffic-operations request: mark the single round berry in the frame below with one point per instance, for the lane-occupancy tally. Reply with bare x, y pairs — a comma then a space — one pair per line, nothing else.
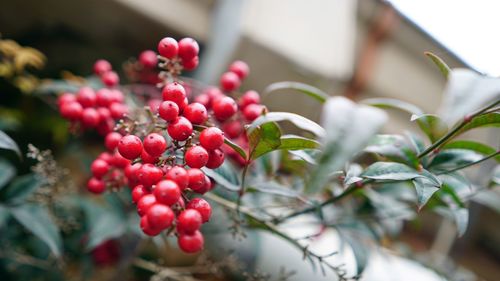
71, 111
160, 216
229, 81
118, 110
215, 159
214, 93
174, 92
86, 97
148, 59
179, 175
253, 111
168, 111
119, 161
146, 158
106, 157
202, 206
132, 173
167, 192
149, 174
147, 229
154, 105
104, 114
191, 243
145, 203
188, 49
116, 96
196, 157
168, 47
99, 168
90, 117
110, 78
111, 141
102, 66
197, 180
211, 138
138, 192
250, 97
191, 64
130, 146
180, 129
104, 97
65, 98
233, 129
224, 108
96, 186
196, 113
155, 144
189, 221
240, 68
203, 99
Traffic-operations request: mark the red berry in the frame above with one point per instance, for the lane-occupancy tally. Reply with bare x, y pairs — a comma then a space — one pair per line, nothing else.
118, 110
250, 97
71, 111
168, 47
110, 78
130, 146
203, 99
196, 157
224, 108
253, 111
132, 173
202, 206
180, 129
102, 66
233, 129
90, 117
147, 229
149, 174
168, 111
197, 180
145, 203
104, 114
191, 243
188, 48
146, 158
105, 125
99, 168
104, 97
96, 186
154, 105
160, 216
155, 144
215, 159
65, 98
189, 221
191, 64
116, 96
167, 192
148, 59
179, 175
196, 113
240, 68
138, 192
214, 93
106, 157
229, 81
211, 138
119, 161
86, 97
174, 92
111, 141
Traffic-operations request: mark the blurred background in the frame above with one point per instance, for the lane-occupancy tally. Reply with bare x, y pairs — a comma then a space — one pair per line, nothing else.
360, 49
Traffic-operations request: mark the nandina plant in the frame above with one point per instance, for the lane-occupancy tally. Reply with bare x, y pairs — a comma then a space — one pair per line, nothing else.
175, 151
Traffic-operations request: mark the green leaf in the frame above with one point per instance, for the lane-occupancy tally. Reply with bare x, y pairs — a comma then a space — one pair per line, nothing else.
425, 188
394, 104
7, 172
21, 188
443, 67
306, 155
263, 139
272, 187
7, 143
456, 187
488, 198
359, 250
222, 178
236, 148
390, 171
472, 145
452, 158
37, 220
393, 147
299, 121
293, 142
431, 125
461, 217
485, 120
311, 91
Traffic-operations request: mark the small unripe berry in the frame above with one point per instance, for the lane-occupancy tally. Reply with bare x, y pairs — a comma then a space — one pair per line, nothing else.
168, 47
202, 206
111, 141
196, 157
146, 202
174, 92
110, 78
189, 221
240, 68
179, 175
211, 138
191, 243
102, 66
180, 129
253, 111
118, 110
90, 118
149, 174
138, 192
229, 81
197, 180
167, 192
155, 144
191, 64
196, 113
224, 108
250, 97
188, 49
148, 59
71, 111
168, 111
147, 229
86, 97
96, 186
215, 159
130, 146
160, 216
99, 168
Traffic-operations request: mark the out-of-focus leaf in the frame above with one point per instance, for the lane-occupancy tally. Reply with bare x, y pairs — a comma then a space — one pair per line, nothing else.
37, 220
306, 155
488, 198
272, 187
223, 178
456, 187
425, 189
466, 92
452, 158
7, 143
311, 91
393, 147
21, 188
431, 125
485, 120
394, 104
263, 139
495, 176
7, 172
299, 121
360, 251
292, 142
472, 145
443, 67
461, 216
390, 171
352, 175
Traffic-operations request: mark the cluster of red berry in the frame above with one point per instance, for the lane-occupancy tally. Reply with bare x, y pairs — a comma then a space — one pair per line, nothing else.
179, 54
144, 69
104, 70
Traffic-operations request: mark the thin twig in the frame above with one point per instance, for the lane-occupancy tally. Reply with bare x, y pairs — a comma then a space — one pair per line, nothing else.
470, 164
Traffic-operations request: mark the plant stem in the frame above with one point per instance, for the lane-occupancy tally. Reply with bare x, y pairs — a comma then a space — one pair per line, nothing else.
242, 187
470, 164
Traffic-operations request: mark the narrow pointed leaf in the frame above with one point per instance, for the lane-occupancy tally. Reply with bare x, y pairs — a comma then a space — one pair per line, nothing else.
308, 90
7, 143
443, 67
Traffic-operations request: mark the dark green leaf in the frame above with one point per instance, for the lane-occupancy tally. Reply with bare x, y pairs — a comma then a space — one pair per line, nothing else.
21, 188
472, 145
452, 158
263, 139
222, 179
443, 67
394, 104
292, 142
300, 87
390, 171
7, 172
37, 220
425, 188
7, 143
4, 215
299, 121
431, 125
236, 148
393, 147
486, 120
456, 187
